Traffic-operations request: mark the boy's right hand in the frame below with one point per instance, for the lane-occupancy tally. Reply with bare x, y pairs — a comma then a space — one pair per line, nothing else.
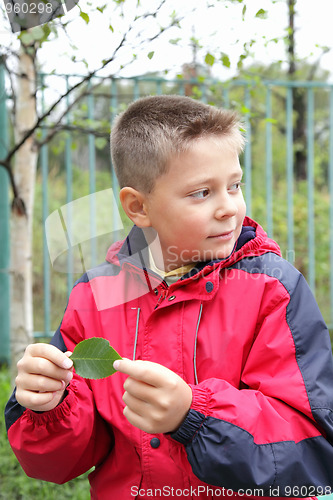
43, 375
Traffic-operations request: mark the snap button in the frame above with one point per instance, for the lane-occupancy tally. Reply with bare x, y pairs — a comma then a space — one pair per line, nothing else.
155, 442
172, 297
209, 286
155, 291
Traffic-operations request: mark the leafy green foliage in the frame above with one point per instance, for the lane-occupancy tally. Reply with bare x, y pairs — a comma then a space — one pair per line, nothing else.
262, 14
93, 358
85, 16
33, 35
102, 8
225, 60
209, 59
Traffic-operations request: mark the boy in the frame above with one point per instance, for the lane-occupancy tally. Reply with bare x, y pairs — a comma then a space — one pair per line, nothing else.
227, 382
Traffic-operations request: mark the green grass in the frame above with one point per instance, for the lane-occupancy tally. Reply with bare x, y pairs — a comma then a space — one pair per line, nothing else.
14, 483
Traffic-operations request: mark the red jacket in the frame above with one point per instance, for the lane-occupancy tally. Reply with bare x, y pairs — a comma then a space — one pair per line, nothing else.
247, 336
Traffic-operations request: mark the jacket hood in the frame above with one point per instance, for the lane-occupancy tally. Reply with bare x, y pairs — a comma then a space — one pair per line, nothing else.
253, 241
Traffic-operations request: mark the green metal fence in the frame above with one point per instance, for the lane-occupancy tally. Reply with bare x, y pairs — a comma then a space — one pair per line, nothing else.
291, 199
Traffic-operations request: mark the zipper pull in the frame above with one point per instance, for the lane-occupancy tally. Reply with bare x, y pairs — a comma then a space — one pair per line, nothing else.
161, 297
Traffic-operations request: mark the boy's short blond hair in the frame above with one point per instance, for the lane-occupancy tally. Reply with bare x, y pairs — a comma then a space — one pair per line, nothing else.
154, 129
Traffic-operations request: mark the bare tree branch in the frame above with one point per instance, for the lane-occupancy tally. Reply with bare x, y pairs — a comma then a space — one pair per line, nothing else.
18, 204
37, 125
75, 128
55, 126
84, 80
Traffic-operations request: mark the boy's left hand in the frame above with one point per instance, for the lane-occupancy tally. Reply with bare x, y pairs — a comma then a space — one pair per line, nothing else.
157, 399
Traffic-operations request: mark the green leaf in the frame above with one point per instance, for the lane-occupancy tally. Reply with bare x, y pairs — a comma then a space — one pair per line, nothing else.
225, 60
262, 14
26, 38
85, 16
209, 59
102, 8
245, 110
93, 358
150, 55
271, 120
100, 142
37, 33
47, 31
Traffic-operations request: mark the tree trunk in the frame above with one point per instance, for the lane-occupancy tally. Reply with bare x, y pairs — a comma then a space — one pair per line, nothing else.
291, 36
300, 155
21, 223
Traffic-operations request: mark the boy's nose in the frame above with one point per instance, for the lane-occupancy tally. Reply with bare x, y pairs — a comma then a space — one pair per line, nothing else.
227, 208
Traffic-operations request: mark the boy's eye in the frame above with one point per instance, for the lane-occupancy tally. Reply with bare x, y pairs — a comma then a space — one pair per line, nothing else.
200, 194
236, 186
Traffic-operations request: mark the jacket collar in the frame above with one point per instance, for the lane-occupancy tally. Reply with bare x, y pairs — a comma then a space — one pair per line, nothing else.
253, 241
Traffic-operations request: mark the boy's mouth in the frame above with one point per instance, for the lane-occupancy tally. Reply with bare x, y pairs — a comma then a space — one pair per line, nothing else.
223, 236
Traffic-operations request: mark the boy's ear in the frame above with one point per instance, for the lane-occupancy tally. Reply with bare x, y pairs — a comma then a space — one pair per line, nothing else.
134, 204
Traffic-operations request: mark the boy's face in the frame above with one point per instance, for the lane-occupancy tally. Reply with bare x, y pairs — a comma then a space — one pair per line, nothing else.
197, 207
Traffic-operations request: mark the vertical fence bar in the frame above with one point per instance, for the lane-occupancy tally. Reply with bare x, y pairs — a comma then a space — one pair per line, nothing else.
92, 179
248, 153
69, 193
310, 164
181, 87
290, 176
4, 228
159, 87
203, 89
226, 99
136, 90
269, 163
330, 181
44, 159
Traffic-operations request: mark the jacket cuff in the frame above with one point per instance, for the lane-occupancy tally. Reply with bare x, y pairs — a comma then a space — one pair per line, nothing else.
201, 397
195, 417
60, 412
186, 432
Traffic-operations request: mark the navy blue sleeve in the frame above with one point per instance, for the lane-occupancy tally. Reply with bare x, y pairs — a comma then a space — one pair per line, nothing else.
222, 453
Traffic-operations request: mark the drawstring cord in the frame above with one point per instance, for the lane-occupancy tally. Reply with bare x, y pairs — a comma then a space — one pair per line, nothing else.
195, 341
195, 346
136, 332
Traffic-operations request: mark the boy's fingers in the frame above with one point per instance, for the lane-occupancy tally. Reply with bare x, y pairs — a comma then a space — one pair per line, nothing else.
34, 401
39, 383
121, 365
51, 353
146, 371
